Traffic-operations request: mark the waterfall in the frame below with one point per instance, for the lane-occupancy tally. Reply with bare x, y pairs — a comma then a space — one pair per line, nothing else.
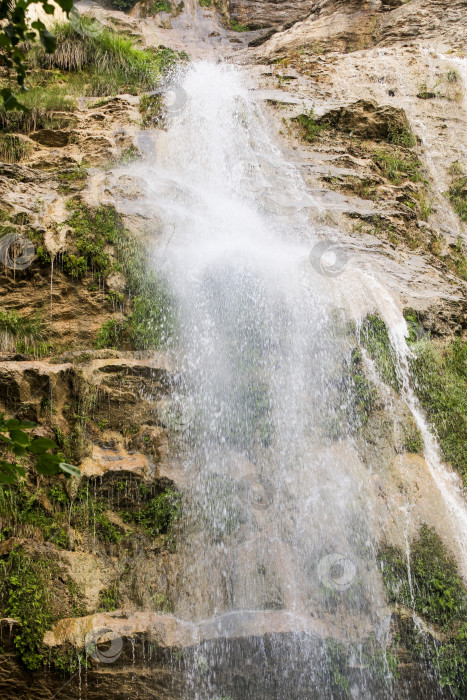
281, 529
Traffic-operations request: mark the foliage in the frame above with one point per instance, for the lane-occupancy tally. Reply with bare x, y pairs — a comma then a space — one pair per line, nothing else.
399, 165
438, 593
237, 27
110, 334
13, 149
40, 102
412, 439
151, 108
22, 444
457, 194
161, 6
123, 5
21, 509
159, 516
401, 136
111, 62
355, 396
439, 596
92, 230
20, 334
15, 35
360, 392
152, 321
375, 338
24, 594
440, 382
108, 599
102, 63
310, 127
451, 660
89, 514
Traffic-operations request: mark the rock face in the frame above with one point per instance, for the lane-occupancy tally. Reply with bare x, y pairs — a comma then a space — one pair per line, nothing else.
339, 25
367, 120
259, 14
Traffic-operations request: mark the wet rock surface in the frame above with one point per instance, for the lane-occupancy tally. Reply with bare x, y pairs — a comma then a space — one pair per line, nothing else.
125, 441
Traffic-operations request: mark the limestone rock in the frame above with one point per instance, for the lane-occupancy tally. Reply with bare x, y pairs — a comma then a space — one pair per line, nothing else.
366, 120
51, 137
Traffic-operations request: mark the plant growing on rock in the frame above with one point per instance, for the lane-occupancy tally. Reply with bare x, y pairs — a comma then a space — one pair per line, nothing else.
310, 127
440, 382
16, 32
433, 589
374, 337
22, 444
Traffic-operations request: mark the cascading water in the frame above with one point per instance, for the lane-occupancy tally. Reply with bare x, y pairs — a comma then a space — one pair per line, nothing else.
280, 527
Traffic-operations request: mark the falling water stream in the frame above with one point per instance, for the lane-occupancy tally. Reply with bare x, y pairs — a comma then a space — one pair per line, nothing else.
281, 525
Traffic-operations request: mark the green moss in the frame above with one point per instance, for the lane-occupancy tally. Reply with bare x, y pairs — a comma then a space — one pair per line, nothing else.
152, 322
457, 194
413, 439
451, 662
161, 6
42, 256
311, 129
237, 27
108, 599
92, 230
437, 589
73, 178
375, 338
159, 515
440, 382
356, 397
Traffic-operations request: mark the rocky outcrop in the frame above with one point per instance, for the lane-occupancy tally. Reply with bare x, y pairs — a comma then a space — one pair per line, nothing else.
269, 13
338, 25
367, 120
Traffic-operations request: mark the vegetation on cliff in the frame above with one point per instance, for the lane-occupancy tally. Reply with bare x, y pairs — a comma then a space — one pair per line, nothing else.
440, 381
429, 584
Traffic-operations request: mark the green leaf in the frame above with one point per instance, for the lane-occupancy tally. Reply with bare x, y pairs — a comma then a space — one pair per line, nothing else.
41, 444
48, 41
12, 424
48, 8
27, 424
19, 437
7, 473
70, 469
48, 464
19, 450
66, 5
